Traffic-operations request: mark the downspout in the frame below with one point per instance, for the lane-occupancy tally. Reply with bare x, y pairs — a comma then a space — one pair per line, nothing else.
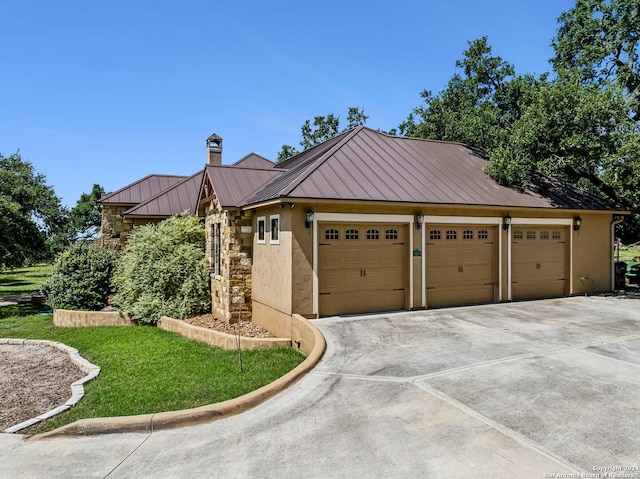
614, 222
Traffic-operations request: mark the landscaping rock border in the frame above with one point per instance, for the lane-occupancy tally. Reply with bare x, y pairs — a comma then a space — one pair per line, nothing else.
77, 388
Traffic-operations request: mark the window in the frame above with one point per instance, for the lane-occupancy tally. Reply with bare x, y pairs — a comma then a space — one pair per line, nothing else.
331, 234
544, 235
517, 235
391, 234
215, 248
467, 235
434, 234
555, 235
274, 223
483, 234
531, 235
262, 223
452, 234
373, 234
351, 234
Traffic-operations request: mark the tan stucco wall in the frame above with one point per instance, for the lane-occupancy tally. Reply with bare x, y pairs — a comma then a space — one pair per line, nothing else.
272, 279
282, 274
592, 254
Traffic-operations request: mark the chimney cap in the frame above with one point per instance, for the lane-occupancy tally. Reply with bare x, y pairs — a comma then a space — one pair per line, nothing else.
214, 137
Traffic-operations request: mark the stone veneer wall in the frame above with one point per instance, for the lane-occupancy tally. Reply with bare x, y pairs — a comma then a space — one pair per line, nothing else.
231, 288
114, 228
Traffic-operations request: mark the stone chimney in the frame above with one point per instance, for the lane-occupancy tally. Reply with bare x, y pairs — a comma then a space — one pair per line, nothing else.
214, 150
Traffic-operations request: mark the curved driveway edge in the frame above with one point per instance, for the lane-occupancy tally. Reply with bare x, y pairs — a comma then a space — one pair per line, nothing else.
148, 423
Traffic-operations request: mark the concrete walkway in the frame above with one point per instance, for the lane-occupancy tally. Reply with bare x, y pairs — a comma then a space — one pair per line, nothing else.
502, 391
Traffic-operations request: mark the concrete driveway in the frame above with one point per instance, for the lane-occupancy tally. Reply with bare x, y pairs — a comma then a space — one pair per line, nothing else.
520, 390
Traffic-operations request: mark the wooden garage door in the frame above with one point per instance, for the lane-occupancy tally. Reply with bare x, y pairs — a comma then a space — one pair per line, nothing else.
461, 265
361, 268
538, 262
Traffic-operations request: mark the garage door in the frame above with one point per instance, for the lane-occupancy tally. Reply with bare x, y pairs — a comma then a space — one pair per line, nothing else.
461, 265
361, 268
539, 262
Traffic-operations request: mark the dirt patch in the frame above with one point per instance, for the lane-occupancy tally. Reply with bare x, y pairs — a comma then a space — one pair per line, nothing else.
247, 328
34, 379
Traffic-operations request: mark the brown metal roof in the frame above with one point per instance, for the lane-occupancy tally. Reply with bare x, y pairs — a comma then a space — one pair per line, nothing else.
233, 185
141, 190
182, 196
364, 164
253, 160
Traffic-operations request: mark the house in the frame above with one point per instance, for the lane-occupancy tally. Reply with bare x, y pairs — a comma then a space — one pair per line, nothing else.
368, 222
157, 197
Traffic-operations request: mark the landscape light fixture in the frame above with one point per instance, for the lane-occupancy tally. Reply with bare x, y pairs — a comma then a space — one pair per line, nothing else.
506, 223
309, 218
577, 222
419, 220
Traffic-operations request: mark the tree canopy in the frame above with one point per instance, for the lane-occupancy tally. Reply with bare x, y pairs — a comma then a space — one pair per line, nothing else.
578, 125
30, 212
598, 39
323, 128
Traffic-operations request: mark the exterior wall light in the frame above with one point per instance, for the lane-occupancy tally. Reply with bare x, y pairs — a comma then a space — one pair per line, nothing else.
577, 223
506, 222
309, 218
419, 220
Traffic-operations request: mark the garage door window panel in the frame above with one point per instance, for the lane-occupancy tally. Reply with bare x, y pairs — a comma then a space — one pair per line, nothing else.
331, 234
373, 234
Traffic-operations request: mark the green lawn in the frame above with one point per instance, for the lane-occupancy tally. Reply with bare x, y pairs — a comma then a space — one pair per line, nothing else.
23, 280
143, 369
628, 254
148, 370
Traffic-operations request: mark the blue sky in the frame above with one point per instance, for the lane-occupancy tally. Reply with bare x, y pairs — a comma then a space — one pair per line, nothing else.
108, 92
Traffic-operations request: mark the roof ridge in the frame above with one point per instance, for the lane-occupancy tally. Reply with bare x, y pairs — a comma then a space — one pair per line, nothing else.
313, 164
244, 167
248, 155
109, 195
163, 192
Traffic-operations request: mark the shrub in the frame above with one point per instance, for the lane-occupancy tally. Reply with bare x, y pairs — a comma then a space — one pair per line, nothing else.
81, 278
164, 271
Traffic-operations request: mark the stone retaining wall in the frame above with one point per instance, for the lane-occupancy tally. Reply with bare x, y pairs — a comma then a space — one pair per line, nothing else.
65, 318
217, 338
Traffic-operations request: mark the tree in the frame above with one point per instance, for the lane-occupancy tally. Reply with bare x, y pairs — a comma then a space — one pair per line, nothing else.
571, 132
164, 271
569, 127
31, 212
323, 128
479, 105
85, 217
599, 40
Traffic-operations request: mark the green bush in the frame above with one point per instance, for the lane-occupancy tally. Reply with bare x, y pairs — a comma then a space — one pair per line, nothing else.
164, 271
81, 278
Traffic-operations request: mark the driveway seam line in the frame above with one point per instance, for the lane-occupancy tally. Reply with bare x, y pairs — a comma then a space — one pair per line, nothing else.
502, 429
523, 356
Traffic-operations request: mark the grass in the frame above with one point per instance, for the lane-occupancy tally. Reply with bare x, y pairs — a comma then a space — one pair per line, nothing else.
628, 254
148, 370
143, 369
23, 280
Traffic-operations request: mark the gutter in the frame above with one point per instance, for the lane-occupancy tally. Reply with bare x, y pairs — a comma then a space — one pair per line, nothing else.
614, 222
